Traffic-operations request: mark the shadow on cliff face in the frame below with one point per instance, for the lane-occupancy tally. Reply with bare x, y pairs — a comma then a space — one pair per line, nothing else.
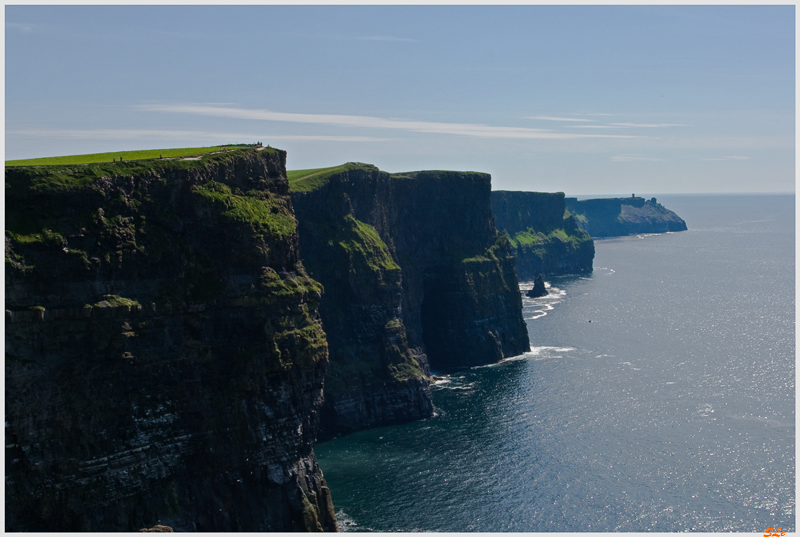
434, 320
454, 337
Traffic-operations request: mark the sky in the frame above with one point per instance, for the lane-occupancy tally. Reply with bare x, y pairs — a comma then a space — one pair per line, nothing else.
586, 100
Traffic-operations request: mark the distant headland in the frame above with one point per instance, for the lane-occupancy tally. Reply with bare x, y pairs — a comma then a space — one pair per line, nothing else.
613, 217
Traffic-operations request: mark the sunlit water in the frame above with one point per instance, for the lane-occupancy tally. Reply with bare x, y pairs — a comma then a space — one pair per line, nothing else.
659, 396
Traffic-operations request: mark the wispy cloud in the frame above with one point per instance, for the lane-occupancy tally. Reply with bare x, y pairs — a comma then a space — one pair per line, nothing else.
607, 125
551, 118
649, 125
136, 134
370, 122
593, 127
632, 158
21, 27
734, 157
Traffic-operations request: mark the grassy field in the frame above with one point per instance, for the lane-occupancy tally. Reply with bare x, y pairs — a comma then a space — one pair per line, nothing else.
119, 155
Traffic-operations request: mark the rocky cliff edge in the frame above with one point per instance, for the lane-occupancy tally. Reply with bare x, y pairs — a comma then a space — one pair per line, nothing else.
164, 354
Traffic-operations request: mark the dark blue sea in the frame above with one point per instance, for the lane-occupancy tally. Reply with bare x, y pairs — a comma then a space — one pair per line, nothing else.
659, 395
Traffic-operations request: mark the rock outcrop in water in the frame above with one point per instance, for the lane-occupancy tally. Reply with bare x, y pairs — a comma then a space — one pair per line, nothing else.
538, 289
546, 239
415, 276
164, 354
612, 217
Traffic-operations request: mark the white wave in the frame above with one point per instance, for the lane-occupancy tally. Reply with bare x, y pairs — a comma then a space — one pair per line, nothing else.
630, 365
514, 358
345, 522
536, 351
606, 269
705, 410
454, 384
543, 303
535, 314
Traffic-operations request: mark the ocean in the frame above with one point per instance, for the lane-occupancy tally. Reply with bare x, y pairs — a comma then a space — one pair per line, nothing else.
659, 395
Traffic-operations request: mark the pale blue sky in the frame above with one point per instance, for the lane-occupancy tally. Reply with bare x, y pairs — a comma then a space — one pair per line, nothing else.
582, 99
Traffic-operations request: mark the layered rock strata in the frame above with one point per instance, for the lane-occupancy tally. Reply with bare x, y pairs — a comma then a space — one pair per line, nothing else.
612, 217
545, 237
164, 353
415, 276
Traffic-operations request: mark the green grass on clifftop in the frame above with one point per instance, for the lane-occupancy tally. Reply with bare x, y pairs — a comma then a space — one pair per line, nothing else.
63, 177
312, 179
94, 158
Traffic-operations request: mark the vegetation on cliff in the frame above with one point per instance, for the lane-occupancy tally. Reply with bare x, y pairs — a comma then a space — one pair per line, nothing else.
256, 208
102, 217
164, 354
364, 247
531, 237
373, 377
546, 238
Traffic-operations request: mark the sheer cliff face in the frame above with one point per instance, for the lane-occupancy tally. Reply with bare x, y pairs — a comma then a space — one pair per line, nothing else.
612, 217
415, 276
461, 291
545, 239
374, 377
164, 355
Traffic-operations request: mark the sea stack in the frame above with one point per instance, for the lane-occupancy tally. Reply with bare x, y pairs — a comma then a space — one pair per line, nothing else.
538, 289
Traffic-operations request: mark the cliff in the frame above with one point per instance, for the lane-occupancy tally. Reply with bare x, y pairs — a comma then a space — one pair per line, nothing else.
164, 353
611, 217
415, 276
545, 237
